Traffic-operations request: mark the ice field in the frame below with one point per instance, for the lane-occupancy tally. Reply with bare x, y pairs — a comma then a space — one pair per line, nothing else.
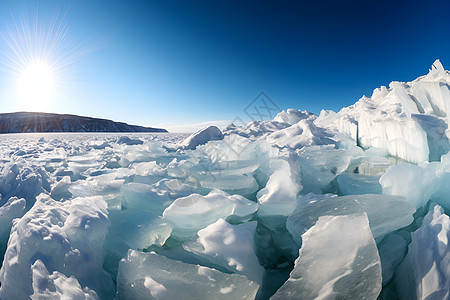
346, 205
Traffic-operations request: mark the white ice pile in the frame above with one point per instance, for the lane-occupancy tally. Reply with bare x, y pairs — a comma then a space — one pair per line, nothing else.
409, 119
348, 205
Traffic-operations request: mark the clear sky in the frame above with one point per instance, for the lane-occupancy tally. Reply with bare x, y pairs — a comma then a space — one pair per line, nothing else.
168, 63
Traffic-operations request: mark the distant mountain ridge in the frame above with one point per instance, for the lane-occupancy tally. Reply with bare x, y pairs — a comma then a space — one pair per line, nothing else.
22, 122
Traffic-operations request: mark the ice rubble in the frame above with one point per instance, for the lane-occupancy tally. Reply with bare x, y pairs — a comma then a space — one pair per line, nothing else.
144, 216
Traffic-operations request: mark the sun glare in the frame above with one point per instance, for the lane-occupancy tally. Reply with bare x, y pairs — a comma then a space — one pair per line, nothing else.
36, 84
41, 59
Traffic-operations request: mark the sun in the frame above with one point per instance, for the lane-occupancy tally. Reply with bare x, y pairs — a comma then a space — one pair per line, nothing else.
36, 84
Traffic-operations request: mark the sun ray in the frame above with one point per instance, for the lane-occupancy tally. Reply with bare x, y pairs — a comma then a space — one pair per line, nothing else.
39, 49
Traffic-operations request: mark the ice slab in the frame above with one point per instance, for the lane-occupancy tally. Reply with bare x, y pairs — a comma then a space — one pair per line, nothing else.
425, 272
136, 229
229, 246
319, 165
416, 183
191, 213
152, 276
357, 184
386, 213
133, 229
145, 197
338, 260
279, 195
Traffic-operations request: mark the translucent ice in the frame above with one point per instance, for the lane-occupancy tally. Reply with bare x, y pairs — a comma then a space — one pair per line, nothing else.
145, 197
152, 276
279, 195
353, 184
338, 260
385, 213
191, 213
133, 229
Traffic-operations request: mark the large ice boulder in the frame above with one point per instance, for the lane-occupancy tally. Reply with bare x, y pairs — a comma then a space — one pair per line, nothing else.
385, 213
338, 260
191, 213
152, 276
201, 137
229, 246
67, 237
425, 272
420, 183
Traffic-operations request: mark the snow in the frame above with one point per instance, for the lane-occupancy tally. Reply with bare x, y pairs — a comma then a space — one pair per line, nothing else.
230, 247
361, 194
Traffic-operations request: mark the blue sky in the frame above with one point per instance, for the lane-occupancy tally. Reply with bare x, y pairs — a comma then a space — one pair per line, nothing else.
168, 63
